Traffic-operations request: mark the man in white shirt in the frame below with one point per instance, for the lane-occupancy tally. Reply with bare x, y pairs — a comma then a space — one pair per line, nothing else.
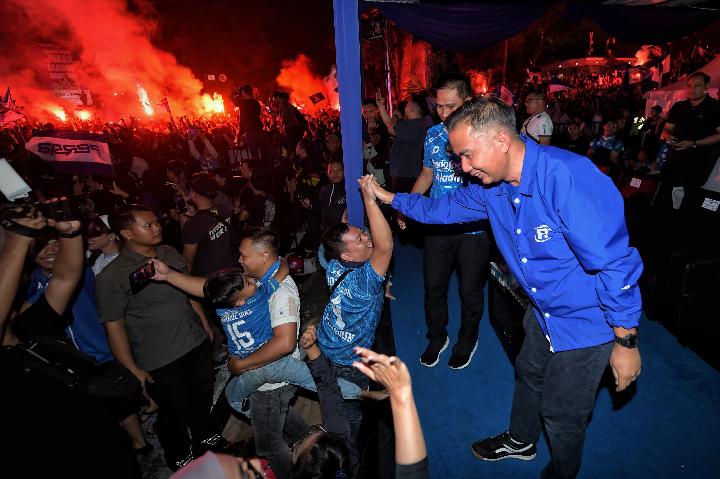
269, 407
539, 125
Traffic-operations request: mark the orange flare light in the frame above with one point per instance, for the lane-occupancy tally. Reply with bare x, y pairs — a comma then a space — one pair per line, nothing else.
213, 104
84, 115
145, 101
60, 114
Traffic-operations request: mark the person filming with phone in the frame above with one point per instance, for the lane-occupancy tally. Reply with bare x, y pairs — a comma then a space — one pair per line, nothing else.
159, 333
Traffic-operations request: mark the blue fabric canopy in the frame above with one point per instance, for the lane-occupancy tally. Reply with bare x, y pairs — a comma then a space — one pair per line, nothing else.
472, 26
463, 27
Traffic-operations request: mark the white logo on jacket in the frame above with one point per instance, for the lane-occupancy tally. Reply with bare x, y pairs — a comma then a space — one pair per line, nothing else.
542, 233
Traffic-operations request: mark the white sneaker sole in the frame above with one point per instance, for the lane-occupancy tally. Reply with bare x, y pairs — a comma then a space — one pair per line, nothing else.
469, 359
509, 456
447, 342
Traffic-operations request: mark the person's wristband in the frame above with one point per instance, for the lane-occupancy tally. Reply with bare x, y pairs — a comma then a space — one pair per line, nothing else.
19, 229
71, 234
694, 144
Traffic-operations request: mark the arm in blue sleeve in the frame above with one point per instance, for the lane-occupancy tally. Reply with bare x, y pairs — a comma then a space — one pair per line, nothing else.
460, 206
267, 288
591, 209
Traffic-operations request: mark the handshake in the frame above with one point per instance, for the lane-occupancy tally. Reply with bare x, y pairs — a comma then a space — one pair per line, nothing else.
371, 190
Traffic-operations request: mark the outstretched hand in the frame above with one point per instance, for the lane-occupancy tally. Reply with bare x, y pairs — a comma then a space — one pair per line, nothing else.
162, 270
366, 187
380, 193
391, 372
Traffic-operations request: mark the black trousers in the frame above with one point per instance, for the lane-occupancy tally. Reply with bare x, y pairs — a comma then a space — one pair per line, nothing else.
556, 390
469, 254
183, 392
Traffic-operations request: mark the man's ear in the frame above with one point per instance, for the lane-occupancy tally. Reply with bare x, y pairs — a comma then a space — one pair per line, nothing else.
126, 234
346, 256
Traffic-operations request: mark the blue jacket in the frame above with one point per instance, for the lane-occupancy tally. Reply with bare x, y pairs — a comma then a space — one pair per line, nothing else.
564, 238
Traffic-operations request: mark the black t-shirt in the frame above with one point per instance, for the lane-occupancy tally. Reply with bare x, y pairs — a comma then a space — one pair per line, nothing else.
82, 433
406, 153
578, 145
213, 238
695, 122
249, 115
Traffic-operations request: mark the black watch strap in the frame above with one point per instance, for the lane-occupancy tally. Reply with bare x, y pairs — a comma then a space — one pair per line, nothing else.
19, 229
629, 341
72, 234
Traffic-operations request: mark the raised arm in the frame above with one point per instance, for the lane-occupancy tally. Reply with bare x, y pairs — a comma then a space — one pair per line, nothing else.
192, 285
392, 373
282, 272
68, 267
386, 118
379, 228
12, 258
463, 205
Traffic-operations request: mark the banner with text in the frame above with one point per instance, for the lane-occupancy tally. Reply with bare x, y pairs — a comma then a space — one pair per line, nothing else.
73, 152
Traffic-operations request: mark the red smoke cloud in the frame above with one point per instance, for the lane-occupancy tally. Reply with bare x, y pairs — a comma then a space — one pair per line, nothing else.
114, 53
297, 78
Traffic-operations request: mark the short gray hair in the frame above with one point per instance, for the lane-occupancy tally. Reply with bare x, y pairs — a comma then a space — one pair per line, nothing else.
482, 113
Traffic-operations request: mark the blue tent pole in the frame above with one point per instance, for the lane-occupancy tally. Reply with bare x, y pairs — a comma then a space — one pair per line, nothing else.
347, 53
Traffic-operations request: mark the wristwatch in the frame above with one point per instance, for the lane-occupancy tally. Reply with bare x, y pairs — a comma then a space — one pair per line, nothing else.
629, 341
71, 234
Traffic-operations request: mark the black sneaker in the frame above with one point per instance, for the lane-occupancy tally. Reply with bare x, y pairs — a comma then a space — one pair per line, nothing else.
431, 356
503, 447
461, 356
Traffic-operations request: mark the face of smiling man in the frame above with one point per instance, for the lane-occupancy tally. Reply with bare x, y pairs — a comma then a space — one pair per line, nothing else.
483, 154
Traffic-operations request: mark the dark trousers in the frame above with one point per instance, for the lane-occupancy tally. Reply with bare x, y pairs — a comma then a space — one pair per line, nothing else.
469, 253
557, 390
183, 392
271, 416
353, 408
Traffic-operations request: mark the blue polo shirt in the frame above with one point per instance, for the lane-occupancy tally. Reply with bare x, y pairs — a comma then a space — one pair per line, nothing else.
564, 238
353, 312
248, 326
446, 167
447, 170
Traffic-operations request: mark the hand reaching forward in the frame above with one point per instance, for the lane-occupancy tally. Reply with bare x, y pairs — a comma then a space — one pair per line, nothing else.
162, 270
391, 372
366, 187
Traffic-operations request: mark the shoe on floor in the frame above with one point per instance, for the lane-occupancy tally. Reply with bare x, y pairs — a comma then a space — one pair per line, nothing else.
503, 447
431, 356
461, 356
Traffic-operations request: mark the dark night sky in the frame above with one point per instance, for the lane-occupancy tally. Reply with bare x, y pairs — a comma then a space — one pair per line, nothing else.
246, 39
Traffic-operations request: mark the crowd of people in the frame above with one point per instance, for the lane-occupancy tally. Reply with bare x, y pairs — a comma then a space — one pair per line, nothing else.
176, 271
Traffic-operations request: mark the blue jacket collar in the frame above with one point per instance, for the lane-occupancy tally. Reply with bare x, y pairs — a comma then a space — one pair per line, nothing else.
527, 177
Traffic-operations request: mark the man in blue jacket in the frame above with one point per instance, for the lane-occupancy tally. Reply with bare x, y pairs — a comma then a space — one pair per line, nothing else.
560, 225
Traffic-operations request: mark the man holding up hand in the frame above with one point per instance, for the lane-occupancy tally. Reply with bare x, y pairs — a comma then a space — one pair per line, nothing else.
559, 223
355, 275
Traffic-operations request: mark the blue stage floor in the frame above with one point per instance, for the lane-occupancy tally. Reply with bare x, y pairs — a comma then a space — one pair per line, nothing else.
666, 428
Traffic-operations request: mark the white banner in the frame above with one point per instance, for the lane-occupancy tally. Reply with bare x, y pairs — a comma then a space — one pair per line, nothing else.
73, 152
